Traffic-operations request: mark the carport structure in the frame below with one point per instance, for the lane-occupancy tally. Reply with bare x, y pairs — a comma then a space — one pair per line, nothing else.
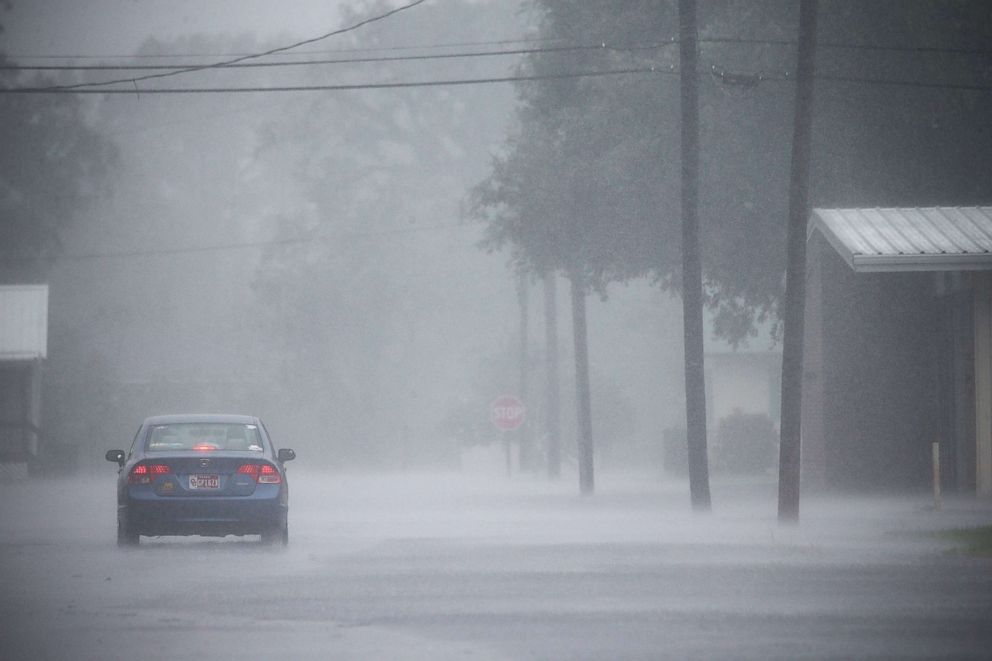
898, 348
23, 347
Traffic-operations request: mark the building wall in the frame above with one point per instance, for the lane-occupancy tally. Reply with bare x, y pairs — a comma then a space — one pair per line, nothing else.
12, 410
20, 410
956, 385
871, 389
813, 402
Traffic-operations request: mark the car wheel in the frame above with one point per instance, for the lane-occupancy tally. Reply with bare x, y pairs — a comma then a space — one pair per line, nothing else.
276, 536
127, 537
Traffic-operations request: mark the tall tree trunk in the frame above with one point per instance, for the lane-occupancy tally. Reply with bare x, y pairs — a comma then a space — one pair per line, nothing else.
789, 460
552, 394
692, 271
582, 396
523, 436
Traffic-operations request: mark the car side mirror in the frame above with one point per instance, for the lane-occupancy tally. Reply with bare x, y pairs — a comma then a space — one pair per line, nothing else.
285, 454
117, 456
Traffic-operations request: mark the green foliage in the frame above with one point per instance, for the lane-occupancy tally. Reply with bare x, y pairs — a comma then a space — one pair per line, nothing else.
52, 165
370, 184
974, 541
577, 188
589, 184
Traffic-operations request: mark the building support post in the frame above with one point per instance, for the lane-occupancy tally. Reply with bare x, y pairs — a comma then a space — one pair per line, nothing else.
983, 383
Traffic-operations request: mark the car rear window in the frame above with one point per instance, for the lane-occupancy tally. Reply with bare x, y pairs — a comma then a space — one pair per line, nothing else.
206, 436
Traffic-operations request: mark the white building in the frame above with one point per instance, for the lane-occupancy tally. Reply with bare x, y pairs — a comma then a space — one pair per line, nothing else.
23, 345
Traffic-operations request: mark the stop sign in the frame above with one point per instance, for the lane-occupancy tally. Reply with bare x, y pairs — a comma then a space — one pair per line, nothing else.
507, 413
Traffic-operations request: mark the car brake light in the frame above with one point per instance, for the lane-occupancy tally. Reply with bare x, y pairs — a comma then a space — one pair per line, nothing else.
262, 473
268, 475
145, 473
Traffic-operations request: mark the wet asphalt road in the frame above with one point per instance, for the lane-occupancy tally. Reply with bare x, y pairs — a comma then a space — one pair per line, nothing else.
463, 567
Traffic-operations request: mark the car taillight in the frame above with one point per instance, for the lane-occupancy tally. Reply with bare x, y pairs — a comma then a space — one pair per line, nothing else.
268, 475
263, 473
145, 473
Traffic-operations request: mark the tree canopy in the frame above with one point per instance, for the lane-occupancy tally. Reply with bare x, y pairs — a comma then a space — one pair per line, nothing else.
51, 166
589, 182
371, 182
589, 179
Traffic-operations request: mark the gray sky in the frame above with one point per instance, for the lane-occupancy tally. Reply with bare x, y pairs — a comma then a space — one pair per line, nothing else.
119, 27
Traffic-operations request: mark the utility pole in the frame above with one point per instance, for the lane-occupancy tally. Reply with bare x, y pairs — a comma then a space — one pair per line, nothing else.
552, 394
523, 438
789, 461
582, 394
692, 271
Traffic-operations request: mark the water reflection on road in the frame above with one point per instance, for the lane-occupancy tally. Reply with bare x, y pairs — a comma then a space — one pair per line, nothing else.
461, 566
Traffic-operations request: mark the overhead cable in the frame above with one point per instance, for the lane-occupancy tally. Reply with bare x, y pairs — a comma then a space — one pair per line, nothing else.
749, 80
321, 51
335, 88
359, 60
757, 41
733, 78
236, 60
837, 45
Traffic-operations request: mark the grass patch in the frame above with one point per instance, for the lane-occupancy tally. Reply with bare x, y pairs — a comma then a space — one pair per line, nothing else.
973, 541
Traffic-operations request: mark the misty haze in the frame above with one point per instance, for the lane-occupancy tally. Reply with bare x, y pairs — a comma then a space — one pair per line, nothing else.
495, 329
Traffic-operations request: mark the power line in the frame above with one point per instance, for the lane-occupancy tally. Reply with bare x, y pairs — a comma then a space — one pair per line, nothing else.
665, 42
726, 76
836, 45
749, 80
902, 83
395, 58
335, 88
248, 57
323, 51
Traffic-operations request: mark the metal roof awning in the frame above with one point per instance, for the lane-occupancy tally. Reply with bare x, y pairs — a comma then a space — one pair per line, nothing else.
910, 239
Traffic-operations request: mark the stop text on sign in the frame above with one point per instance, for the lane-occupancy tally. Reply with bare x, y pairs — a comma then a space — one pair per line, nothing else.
507, 413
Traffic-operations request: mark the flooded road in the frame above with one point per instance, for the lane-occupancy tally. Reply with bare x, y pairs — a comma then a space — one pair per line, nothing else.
460, 567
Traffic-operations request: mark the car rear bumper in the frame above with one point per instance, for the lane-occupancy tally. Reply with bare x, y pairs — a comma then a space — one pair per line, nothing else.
202, 516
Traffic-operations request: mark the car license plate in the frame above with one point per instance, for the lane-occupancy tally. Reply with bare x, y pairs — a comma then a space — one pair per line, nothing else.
204, 481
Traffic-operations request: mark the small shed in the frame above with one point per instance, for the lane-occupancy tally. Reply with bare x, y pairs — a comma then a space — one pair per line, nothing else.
23, 347
899, 347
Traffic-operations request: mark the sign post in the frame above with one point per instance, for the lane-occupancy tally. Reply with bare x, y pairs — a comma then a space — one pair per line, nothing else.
507, 414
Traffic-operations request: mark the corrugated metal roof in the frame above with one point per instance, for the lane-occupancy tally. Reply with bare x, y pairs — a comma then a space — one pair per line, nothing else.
912, 239
23, 322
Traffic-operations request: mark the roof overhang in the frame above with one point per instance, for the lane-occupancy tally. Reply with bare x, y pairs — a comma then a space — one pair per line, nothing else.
909, 239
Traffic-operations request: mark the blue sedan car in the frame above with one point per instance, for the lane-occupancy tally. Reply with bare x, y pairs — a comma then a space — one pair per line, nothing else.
198, 474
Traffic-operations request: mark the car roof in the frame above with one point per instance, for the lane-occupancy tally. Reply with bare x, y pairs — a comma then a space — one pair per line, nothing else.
229, 418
